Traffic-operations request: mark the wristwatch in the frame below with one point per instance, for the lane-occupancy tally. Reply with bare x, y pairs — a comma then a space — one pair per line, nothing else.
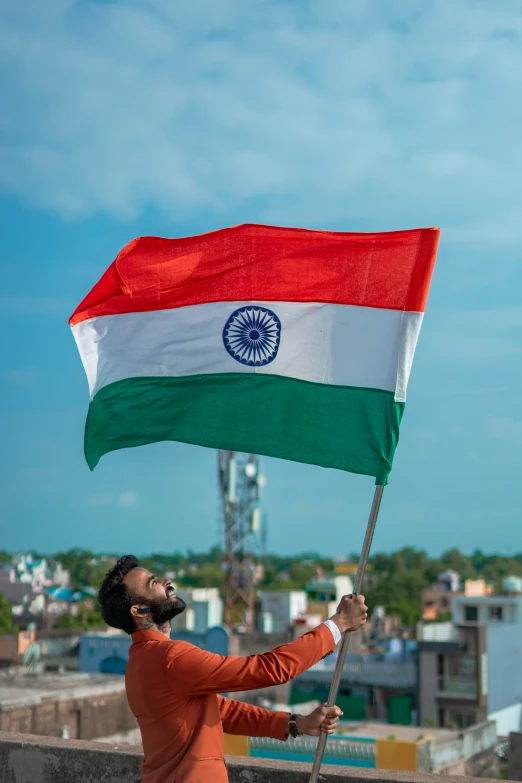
292, 726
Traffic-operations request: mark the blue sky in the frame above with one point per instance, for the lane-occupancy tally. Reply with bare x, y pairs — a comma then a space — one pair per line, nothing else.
153, 117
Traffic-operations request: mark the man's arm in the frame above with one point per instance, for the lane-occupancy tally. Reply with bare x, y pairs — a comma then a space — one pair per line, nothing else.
197, 671
250, 721
240, 718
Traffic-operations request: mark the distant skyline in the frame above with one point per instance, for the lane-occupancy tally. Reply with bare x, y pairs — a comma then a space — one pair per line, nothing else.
151, 117
348, 556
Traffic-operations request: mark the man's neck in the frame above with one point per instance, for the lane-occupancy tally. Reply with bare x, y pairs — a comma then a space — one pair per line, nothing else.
148, 625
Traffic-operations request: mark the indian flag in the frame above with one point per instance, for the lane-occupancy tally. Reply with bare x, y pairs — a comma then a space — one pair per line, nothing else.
279, 341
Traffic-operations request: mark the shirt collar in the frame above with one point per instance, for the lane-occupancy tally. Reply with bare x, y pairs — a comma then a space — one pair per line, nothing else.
148, 636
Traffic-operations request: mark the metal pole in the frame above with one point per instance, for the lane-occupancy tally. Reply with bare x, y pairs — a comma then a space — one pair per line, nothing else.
361, 568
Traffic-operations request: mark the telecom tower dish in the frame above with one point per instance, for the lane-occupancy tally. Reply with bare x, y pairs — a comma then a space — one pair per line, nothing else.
240, 483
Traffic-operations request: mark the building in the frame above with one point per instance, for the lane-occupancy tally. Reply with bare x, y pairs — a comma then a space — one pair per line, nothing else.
108, 653
373, 687
501, 615
382, 627
512, 585
55, 601
39, 572
17, 593
58, 575
73, 706
452, 675
31, 571
374, 745
204, 610
470, 669
477, 587
324, 594
28, 584
435, 603
437, 600
281, 608
13, 646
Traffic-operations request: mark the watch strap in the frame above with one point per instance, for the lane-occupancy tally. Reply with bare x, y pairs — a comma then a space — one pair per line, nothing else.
292, 726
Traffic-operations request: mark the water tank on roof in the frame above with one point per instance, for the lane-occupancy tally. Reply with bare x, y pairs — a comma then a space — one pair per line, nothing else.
512, 584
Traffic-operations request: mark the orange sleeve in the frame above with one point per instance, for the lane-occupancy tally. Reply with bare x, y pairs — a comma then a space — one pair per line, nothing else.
240, 718
194, 671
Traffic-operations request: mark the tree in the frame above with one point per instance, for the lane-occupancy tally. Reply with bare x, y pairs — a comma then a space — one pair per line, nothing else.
6, 617
301, 574
206, 575
85, 619
454, 560
85, 568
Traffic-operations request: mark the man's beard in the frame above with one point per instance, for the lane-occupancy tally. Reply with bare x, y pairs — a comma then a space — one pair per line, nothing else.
165, 609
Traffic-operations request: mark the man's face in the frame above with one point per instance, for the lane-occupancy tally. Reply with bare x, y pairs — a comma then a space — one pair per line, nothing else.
158, 594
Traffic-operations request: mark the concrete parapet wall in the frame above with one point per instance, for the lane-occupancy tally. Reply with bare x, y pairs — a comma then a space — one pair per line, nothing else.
85, 715
515, 756
26, 758
473, 752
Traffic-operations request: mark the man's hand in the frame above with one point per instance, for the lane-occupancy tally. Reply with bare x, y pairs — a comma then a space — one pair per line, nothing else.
351, 613
321, 719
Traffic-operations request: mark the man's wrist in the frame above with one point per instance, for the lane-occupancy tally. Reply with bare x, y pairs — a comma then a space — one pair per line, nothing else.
336, 618
334, 630
301, 724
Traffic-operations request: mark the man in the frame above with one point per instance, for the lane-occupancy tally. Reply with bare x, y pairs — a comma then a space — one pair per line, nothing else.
174, 688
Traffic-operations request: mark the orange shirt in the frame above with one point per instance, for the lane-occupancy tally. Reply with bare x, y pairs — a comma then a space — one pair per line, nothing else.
173, 690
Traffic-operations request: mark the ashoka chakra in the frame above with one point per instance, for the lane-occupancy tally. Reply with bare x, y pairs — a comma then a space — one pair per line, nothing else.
252, 335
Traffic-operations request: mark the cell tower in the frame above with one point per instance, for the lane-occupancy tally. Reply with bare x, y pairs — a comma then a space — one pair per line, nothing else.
240, 483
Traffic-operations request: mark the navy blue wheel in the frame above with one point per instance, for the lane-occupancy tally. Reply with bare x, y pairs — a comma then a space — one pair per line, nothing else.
252, 335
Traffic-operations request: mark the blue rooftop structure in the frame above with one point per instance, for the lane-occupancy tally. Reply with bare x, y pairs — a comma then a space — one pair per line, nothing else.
67, 594
105, 653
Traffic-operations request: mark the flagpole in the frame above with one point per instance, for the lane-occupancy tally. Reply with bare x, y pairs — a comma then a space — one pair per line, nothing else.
361, 568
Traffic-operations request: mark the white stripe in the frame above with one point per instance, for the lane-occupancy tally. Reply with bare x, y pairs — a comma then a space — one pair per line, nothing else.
341, 345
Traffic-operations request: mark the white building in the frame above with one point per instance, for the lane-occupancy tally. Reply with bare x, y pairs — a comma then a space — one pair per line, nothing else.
328, 591
58, 575
204, 609
39, 573
502, 617
31, 571
448, 581
281, 607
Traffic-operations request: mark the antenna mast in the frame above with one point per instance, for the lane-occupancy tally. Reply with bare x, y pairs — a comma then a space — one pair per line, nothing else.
240, 483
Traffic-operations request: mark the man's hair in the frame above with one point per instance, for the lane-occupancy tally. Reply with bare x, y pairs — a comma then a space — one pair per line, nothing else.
115, 600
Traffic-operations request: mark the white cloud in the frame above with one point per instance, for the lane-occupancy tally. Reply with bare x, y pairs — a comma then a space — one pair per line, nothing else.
317, 113
128, 499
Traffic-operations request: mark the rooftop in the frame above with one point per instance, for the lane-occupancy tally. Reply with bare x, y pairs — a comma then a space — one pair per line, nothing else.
406, 733
489, 600
362, 730
19, 688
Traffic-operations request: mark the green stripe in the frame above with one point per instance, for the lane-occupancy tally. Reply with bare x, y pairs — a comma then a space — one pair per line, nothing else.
334, 426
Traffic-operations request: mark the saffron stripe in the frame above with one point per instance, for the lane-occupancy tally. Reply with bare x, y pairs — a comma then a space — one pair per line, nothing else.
251, 262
